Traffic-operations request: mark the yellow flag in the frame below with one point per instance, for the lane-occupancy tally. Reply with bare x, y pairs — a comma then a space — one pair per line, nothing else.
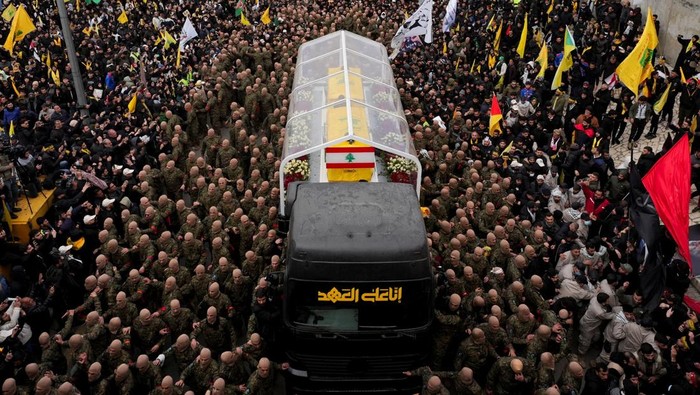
694, 123
123, 19
21, 26
167, 39
637, 65
444, 48
87, 31
77, 5
14, 87
488, 26
542, 59
683, 80
497, 40
566, 61
48, 60
9, 12
405, 14
457, 28
659, 105
132, 104
687, 47
471, 70
523, 39
265, 18
177, 61
55, 77
244, 20
12, 129
457, 66
507, 149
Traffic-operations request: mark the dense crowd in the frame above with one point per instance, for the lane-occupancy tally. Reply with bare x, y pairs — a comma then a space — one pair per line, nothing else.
148, 275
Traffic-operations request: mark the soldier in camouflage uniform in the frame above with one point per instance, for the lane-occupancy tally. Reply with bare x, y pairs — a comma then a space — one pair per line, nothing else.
183, 351
121, 382
225, 154
449, 322
200, 373
228, 204
192, 252
166, 387
539, 344
475, 353
116, 332
182, 277
210, 146
265, 380
510, 376
223, 271
169, 291
166, 243
496, 336
153, 221
521, 327
514, 296
217, 299
146, 252
182, 212
173, 180
246, 231
137, 287
545, 373
178, 319
147, 374
192, 225
52, 357
125, 310
200, 285
240, 291
151, 332
214, 332
571, 382
114, 356
220, 251
252, 266
96, 384
233, 368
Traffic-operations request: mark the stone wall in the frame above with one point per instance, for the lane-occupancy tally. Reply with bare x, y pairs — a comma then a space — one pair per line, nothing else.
675, 17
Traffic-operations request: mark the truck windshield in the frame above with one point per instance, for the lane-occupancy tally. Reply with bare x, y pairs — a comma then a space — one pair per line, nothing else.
350, 307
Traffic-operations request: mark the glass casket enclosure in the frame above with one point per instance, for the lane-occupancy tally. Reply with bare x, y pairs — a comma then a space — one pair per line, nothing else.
346, 122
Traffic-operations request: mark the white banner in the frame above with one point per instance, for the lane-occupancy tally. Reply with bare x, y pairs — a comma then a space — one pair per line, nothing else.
450, 16
419, 24
188, 32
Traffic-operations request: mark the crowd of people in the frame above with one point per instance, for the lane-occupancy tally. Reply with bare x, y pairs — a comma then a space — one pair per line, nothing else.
148, 275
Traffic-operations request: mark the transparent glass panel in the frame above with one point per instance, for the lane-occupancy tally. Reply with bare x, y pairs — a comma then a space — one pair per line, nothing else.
319, 47
303, 132
389, 130
318, 68
383, 97
369, 68
364, 46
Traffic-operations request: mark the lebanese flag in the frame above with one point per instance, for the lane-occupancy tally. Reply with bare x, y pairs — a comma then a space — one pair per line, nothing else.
350, 157
496, 116
611, 80
668, 184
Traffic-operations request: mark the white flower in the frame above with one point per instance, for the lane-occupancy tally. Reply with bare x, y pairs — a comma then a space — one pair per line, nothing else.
393, 139
297, 166
398, 164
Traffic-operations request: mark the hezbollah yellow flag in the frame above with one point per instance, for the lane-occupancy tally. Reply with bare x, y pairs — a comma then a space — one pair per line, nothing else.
542, 60
637, 65
12, 129
123, 19
471, 70
694, 123
177, 60
9, 12
457, 66
132, 104
659, 105
14, 87
687, 47
497, 40
244, 20
167, 39
21, 26
55, 77
566, 61
488, 26
444, 48
265, 18
523, 39
683, 80
506, 150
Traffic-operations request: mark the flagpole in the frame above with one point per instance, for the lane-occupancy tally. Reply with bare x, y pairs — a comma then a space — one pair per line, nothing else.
72, 57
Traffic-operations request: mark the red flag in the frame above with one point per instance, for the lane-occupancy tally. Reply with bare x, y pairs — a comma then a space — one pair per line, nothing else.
496, 116
668, 183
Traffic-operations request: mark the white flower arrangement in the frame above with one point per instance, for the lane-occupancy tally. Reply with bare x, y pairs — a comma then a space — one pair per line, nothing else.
382, 116
399, 164
303, 95
382, 97
393, 139
298, 167
299, 136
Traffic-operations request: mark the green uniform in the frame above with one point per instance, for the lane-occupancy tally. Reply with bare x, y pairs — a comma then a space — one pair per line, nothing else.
198, 376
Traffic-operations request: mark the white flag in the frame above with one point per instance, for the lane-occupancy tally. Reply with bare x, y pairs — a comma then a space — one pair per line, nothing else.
188, 33
419, 24
450, 16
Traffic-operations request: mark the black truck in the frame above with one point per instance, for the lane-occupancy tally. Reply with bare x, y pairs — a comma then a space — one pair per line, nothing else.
358, 289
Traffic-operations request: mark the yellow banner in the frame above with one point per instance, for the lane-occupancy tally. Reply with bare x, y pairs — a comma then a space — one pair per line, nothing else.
353, 295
